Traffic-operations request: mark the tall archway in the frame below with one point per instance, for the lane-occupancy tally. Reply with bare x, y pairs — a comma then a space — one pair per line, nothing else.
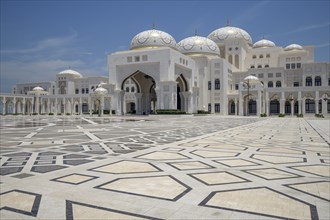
182, 87
144, 95
288, 108
274, 107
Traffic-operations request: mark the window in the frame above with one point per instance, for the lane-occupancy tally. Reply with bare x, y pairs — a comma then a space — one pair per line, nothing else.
287, 66
278, 84
127, 89
217, 84
296, 84
132, 89
317, 81
254, 57
87, 90
230, 59
260, 75
298, 58
270, 84
209, 85
268, 55
180, 60
129, 59
293, 59
217, 107
144, 57
261, 56
230, 49
293, 66
236, 86
83, 91
298, 65
209, 107
266, 66
270, 75
252, 67
278, 74
309, 81
137, 58
77, 91
310, 106
259, 66
236, 48
187, 62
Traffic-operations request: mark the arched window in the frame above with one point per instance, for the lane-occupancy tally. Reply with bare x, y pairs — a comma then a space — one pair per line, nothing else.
317, 81
127, 89
266, 66
216, 84
252, 67
270, 84
237, 61
83, 91
77, 91
132, 89
309, 81
87, 90
278, 84
230, 59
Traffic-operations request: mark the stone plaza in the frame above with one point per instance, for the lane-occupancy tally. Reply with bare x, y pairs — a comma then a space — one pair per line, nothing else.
164, 167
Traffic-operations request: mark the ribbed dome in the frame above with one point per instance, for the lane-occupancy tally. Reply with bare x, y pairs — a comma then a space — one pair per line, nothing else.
294, 47
70, 72
198, 45
100, 91
220, 35
264, 44
153, 38
38, 88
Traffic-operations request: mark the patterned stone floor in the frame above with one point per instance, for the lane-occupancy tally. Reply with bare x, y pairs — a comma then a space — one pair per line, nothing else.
206, 167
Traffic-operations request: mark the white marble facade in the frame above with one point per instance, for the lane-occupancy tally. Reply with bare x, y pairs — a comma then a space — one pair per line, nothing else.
197, 73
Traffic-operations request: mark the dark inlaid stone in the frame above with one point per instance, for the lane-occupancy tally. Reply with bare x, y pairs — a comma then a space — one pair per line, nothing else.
20, 154
23, 175
76, 162
50, 153
74, 156
10, 170
46, 169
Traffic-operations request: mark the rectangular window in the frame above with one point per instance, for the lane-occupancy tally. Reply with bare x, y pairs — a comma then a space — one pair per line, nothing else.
209, 85
236, 86
137, 58
298, 65
293, 66
287, 66
260, 75
296, 84
217, 84
268, 55
278, 74
129, 59
270, 75
87, 90
144, 58
77, 91
209, 107
217, 107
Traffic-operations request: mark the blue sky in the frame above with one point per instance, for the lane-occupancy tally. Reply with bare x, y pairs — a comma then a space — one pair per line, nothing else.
40, 38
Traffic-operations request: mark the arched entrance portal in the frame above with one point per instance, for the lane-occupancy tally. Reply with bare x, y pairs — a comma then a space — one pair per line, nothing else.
182, 87
139, 94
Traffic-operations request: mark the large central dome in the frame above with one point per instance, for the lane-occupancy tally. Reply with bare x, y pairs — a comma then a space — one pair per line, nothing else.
153, 38
220, 35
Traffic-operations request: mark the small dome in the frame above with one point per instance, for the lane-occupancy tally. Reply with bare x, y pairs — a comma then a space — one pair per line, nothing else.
70, 72
264, 44
294, 47
198, 45
153, 38
100, 91
38, 88
220, 35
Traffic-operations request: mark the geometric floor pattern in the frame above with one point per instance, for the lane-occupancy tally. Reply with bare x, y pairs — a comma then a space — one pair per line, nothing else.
164, 167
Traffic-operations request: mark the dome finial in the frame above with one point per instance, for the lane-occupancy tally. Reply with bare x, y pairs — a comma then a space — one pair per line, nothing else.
228, 22
153, 24
196, 34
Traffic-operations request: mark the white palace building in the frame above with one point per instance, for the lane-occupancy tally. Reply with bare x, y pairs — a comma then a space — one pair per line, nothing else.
224, 73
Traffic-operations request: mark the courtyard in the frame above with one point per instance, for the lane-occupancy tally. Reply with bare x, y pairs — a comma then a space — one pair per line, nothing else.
168, 167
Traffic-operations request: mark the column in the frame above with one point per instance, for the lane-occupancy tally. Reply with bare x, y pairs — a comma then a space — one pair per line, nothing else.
236, 107
259, 103
303, 105
4, 105
316, 102
102, 105
324, 107
268, 107
282, 103
240, 104
90, 109
14, 107
299, 102
292, 107
36, 107
64, 106
138, 97
73, 110
23, 110
56, 106
48, 106
80, 106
